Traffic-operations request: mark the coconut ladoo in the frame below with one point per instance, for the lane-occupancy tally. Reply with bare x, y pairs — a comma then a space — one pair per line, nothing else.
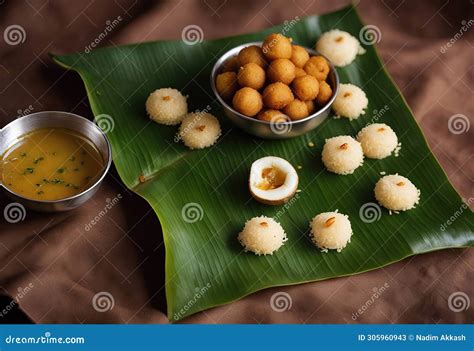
199, 130
299, 56
339, 47
277, 46
378, 140
252, 54
274, 116
396, 193
226, 85
296, 110
277, 95
231, 64
318, 67
251, 75
331, 231
262, 236
166, 106
306, 87
247, 101
324, 93
342, 154
273, 180
281, 70
350, 101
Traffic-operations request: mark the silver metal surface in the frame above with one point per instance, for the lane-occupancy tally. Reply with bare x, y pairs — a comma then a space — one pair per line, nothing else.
10, 134
271, 130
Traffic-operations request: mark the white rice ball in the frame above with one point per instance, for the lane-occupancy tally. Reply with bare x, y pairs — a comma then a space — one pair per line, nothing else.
262, 236
378, 140
199, 130
331, 230
166, 106
396, 193
342, 154
339, 47
350, 101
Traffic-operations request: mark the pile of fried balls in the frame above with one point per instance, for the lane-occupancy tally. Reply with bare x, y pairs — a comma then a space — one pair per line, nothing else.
276, 82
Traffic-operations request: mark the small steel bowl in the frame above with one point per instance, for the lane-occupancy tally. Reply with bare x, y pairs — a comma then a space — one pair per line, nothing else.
50, 119
274, 130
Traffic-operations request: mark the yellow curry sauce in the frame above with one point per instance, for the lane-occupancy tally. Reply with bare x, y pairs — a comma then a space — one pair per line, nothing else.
51, 164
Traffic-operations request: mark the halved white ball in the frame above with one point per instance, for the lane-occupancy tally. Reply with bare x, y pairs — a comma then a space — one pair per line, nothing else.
262, 236
199, 130
273, 180
166, 106
331, 231
342, 154
350, 101
339, 47
396, 193
378, 140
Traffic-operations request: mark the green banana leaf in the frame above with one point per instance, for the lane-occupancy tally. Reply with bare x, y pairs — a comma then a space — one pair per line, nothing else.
201, 197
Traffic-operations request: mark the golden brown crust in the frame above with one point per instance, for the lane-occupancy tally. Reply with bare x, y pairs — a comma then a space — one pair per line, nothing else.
277, 95
306, 87
299, 56
318, 67
296, 110
226, 85
252, 54
251, 75
247, 101
324, 94
281, 70
277, 46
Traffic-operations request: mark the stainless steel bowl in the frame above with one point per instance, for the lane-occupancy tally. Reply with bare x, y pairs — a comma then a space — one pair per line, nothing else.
48, 119
271, 130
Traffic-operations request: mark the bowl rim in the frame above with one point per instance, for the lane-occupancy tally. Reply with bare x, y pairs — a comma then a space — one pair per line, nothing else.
219, 62
105, 170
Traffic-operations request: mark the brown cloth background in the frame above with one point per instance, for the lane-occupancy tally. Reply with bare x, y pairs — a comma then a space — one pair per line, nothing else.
123, 254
